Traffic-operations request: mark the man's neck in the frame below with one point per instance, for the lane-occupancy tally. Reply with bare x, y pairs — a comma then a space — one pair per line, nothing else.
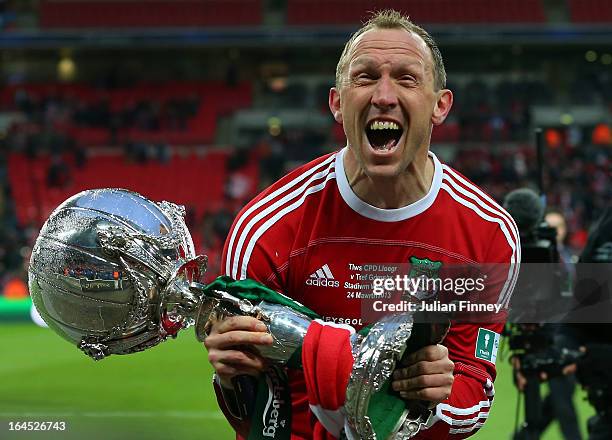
391, 192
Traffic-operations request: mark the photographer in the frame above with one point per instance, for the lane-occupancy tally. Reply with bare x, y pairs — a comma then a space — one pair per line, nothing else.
540, 351
594, 309
538, 364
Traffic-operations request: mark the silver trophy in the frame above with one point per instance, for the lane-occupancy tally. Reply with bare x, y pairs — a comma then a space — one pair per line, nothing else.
115, 273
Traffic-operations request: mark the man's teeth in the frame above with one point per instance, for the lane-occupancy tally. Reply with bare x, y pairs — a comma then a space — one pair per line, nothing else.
384, 125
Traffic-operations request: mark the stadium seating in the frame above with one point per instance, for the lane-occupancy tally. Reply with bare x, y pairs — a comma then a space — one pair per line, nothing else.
590, 11
195, 179
148, 13
215, 99
328, 12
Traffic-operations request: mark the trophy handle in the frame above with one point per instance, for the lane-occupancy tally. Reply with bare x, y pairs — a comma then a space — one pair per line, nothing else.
215, 304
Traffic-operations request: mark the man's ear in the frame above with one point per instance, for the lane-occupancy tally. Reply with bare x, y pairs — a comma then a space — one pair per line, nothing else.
442, 107
334, 104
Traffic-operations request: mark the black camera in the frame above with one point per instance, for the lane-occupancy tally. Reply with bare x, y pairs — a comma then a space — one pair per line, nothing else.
539, 245
538, 349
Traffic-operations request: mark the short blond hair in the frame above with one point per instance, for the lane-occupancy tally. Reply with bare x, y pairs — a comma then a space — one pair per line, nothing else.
391, 19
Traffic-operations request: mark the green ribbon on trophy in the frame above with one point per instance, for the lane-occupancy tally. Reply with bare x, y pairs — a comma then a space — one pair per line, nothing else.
273, 400
256, 292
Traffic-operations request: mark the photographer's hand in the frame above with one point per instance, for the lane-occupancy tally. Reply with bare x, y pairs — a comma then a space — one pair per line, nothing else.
569, 369
519, 378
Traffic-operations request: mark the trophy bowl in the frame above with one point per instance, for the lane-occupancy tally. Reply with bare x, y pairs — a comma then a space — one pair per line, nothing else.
100, 267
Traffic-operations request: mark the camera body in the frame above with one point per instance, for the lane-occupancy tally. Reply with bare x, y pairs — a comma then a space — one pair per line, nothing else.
542, 348
538, 288
539, 245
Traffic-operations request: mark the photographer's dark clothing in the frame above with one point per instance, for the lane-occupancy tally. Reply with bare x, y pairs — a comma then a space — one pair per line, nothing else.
600, 427
558, 404
593, 291
594, 296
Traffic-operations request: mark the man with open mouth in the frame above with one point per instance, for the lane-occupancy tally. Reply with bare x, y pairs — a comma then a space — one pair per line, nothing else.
383, 199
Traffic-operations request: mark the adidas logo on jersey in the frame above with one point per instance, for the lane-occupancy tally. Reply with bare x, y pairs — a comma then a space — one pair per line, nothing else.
322, 277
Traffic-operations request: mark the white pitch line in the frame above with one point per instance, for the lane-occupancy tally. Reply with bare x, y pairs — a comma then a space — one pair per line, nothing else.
120, 414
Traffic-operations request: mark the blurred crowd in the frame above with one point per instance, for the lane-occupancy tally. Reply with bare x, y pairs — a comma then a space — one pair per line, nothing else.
50, 123
15, 240
577, 179
487, 139
61, 110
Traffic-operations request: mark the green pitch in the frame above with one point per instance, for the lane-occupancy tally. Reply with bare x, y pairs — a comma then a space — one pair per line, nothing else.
164, 393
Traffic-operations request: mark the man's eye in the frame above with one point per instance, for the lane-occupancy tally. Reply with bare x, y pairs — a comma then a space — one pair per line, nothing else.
407, 78
364, 76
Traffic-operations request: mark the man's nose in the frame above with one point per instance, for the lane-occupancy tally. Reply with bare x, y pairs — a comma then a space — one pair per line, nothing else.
385, 96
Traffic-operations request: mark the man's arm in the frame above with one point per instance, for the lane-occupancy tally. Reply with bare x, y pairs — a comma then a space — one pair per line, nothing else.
235, 367
467, 408
231, 361
472, 348
460, 391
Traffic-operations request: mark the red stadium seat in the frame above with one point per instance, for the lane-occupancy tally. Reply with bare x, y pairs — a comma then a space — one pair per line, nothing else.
216, 99
147, 13
90, 137
590, 11
351, 12
196, 180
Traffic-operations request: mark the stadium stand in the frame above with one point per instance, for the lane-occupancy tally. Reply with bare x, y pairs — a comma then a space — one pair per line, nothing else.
179, 179
590, 11
178, 113
332, 12
149, 13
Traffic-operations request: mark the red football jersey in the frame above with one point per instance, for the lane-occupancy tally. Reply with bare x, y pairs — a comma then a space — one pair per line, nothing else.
309, 237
